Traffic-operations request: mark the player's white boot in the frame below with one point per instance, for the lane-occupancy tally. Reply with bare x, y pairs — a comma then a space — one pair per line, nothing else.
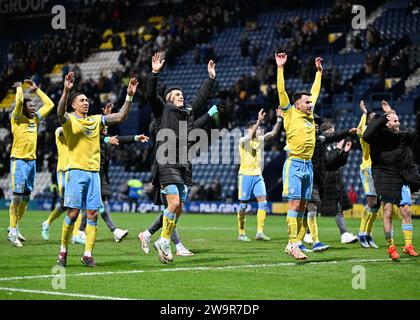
182, 251
262, 236
297, 253
163, 248
45, 231
348, 238
144, 238
120, 234
19, 235
14, 240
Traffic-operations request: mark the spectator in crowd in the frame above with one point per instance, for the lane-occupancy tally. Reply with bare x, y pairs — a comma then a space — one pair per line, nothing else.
198, 192
244, 45
214, 191
135, 190
352, 195
372, 37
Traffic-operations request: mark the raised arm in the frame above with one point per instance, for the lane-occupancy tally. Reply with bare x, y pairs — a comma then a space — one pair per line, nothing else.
62, 115
152, 95
281, 59
203, 94
17, 111
372, 130
316, 87
47, 104
361, 126
120, 116
254, 128
276, 129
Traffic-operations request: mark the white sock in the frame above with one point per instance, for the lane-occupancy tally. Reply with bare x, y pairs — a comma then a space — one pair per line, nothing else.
179, 246
63, 249
87, 254
147, 234
12, 231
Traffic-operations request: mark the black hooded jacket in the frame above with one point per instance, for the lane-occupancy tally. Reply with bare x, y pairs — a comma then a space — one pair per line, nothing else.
392, 155
168, 167
318, 160
392, 150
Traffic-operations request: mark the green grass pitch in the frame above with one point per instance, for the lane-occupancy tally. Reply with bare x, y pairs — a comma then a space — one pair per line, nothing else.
222, 267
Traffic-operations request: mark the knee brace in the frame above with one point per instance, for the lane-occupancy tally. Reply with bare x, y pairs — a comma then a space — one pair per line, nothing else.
262, 205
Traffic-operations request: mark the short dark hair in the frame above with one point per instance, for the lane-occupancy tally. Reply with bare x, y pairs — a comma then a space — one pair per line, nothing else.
171, 89
251, 124
25, 101
299, 95
73, 96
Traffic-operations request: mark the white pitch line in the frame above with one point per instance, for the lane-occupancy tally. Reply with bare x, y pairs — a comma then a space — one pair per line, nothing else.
58, 293
203, 268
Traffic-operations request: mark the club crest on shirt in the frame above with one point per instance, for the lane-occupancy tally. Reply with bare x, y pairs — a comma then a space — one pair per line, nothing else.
31, 127
89, 130
292, 190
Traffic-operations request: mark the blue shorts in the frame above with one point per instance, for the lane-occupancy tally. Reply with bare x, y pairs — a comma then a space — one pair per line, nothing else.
23, 175
83, 190
176, 188
367, 180
248, 185
61, 182
406, 196
298, 177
